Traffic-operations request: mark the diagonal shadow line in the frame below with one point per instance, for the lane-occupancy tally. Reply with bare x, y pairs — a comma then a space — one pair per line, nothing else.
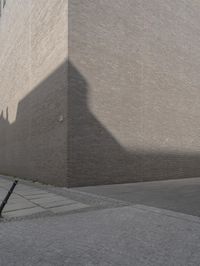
56, 139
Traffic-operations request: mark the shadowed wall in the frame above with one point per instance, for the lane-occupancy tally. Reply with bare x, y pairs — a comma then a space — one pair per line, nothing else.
123, 108
140, 63
33, 83
95, 156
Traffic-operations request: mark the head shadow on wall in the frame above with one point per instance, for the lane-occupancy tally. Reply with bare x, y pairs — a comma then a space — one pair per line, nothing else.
57, 139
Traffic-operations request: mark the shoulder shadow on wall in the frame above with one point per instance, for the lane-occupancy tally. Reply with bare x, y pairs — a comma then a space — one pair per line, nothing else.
35, 145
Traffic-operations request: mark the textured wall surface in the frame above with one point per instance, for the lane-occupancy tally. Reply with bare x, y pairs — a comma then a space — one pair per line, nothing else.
130, 111
33, 86
134, 90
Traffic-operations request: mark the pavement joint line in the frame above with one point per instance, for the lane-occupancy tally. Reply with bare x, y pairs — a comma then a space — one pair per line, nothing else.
62, 206
72, 193
36, 205
30, 193
32, 197
48, 213
23, 208
95, 196
71, 207
74, 198
50, 199
24, 212
53, 204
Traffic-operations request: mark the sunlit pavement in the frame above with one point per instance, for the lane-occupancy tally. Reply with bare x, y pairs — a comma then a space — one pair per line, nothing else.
108, 232
29, 200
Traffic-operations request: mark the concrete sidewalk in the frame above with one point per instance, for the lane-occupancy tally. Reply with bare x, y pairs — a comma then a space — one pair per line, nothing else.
29, 200
124, 236
43, 227
34, 200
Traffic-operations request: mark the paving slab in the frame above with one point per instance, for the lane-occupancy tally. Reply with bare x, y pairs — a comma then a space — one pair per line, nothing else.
29, 192
57, 203
47, 199
17, 200
39, 196
18, 206
23, 212
28, 200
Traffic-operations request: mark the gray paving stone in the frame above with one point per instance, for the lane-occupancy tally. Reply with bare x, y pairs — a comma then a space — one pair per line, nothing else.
3, 182
57, 203
31, 192
17, 200
67, 208
4, 193
24, 212
2, 196
21, 188
16, 195
28, 200
18, 206
50, 199
38, 196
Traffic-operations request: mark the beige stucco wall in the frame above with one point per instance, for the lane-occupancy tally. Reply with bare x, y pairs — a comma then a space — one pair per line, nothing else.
129, 108
33, 67
137, 68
